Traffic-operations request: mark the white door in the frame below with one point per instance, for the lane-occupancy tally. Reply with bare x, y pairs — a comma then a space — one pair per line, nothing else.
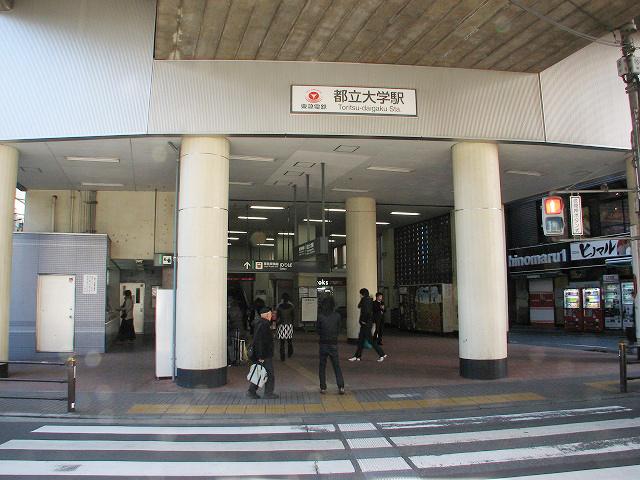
56, 298
137, 294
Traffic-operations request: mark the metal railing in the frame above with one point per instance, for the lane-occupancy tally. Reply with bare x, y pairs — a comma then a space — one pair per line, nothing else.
70, 398
623, 349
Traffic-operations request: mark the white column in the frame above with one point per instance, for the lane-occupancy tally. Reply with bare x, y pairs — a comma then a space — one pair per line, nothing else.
8, 181
480, 260
201, 336
362, 264
633, 220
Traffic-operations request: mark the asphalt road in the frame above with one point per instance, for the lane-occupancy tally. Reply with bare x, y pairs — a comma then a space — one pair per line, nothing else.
581, 440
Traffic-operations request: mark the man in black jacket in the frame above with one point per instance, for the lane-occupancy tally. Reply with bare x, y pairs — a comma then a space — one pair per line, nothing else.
327, 327
366, 323
263, 353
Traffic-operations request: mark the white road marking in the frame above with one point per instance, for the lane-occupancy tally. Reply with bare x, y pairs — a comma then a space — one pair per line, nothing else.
511, 433
614, 473
594, 449
404, 395
356, 427
371, 442
518, 417
383, 464
140, 430
174, 469
155, 446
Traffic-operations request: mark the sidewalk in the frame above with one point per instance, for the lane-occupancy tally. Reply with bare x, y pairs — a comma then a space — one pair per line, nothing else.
421, 372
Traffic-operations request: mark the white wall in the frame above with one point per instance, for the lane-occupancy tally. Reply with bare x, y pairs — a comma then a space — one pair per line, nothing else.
584, 99
37, 214
73, 68
165, 204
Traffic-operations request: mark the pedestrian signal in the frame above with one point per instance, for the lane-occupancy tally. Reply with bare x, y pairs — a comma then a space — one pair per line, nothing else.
553, 216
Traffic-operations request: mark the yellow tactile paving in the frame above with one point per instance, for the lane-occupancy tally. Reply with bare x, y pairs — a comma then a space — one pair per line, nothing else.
347, 403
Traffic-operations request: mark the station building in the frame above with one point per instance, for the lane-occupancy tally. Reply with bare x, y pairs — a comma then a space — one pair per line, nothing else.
307, 148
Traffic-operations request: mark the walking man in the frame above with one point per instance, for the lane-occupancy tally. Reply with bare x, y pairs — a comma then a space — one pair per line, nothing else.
327, 327
378, 318
366, 323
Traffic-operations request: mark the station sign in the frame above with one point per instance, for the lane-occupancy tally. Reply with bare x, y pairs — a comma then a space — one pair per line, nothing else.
274, 266
332, 282
338, 100
319, 246
575, 209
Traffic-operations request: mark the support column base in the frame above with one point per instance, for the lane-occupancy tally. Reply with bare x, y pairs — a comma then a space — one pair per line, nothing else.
4, 370
214, 377
483, 369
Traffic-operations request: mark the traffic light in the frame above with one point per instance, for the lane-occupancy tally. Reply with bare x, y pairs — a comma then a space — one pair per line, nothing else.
553, 216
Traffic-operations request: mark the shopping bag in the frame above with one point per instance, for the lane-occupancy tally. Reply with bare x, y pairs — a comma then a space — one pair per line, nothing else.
257, 375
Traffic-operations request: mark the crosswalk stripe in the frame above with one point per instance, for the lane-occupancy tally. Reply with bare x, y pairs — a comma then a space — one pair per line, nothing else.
383, 464
614, 473
140, 430
511, 433
593, 448
517, 417
157, 446
368, 442
173, 469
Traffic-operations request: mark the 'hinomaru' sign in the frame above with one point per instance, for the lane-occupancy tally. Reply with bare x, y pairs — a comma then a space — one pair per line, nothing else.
542, 259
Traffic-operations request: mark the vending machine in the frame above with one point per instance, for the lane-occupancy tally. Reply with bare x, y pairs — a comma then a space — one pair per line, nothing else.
592, 309
628, 315
572, 310
612, 310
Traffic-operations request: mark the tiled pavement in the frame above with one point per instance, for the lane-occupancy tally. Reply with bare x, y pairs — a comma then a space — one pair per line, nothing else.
420, 373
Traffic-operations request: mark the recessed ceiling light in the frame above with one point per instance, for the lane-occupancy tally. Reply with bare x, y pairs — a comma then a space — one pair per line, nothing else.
251, 158
524, 172
382, 223
244, 184
332, 241
354, 190
228, 243
93, 159
289, 234
233, 238
337, 235
252, 218
391, 169
335, 210
346, 148
236, 231
405, 213
266, 245
265, 207
92, 184
316, 220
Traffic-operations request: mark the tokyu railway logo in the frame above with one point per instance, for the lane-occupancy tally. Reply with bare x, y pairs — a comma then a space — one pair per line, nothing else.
542, 259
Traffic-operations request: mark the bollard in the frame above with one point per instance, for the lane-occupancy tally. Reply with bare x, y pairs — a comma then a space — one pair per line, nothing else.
71, 384
622, 355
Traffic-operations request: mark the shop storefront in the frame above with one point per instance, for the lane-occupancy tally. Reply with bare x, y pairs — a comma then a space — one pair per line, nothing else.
583, 286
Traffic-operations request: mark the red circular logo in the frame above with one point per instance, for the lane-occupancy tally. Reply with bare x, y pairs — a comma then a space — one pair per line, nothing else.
313, 96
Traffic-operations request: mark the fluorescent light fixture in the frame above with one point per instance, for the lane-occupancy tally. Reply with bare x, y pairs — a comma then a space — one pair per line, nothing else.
382, 223
233, 238
271, 239
266, 245
92, 184
251, 158
335, 209
353, 190
405, 213
93, 159
265, 207
524, 172
228, 244
252, 218
316, 220
244, 184
337, 235
236, 232
332, 241
391, 169
289, 234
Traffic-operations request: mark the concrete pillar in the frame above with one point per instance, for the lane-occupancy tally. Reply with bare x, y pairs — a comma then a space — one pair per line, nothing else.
201, 336
8, 181
362, 269
633, 221
480, 259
